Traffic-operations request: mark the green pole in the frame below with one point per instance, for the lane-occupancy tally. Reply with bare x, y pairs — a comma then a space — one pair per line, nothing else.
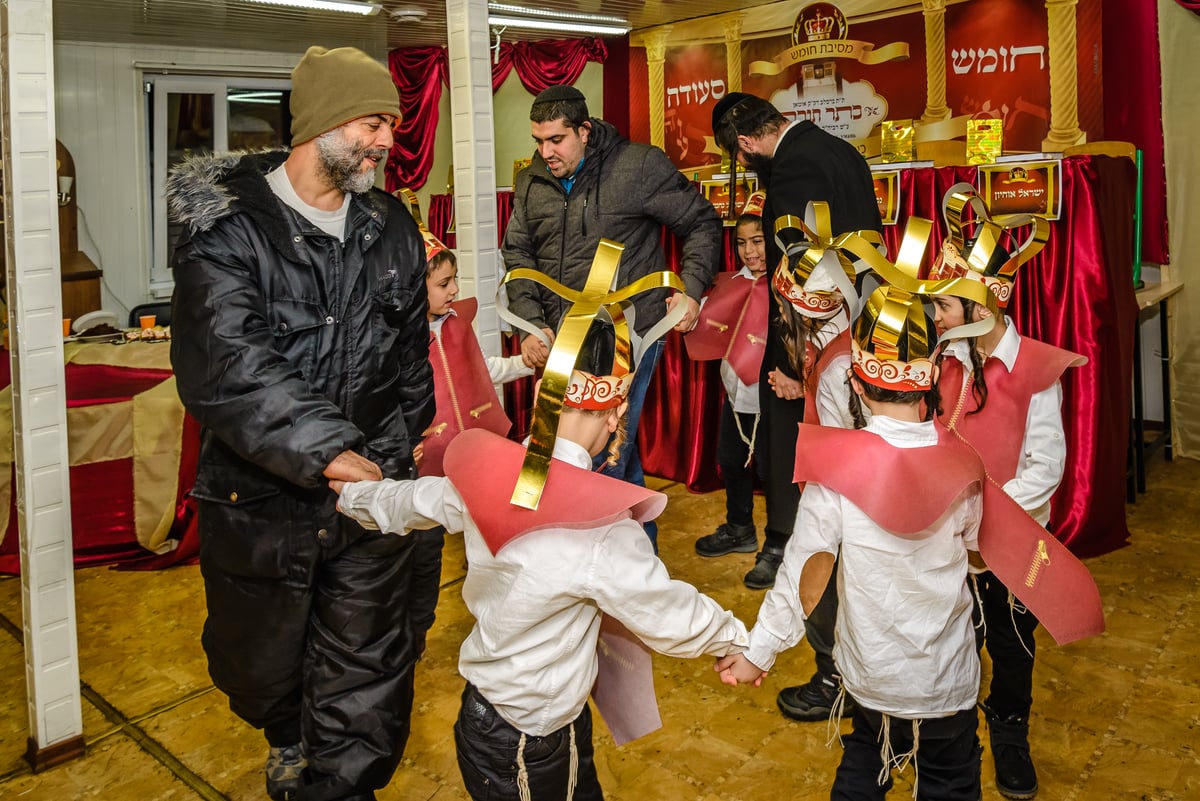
1137, 227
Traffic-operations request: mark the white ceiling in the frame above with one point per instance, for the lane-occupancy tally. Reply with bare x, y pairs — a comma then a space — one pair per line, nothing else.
244, 24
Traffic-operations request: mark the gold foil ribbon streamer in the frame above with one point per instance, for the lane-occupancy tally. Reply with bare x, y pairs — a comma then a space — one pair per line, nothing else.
596, 298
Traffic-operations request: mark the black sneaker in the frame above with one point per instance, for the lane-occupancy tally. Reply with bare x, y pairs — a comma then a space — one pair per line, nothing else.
813, 701
728, 538
284, 768
762, 575
1015, 774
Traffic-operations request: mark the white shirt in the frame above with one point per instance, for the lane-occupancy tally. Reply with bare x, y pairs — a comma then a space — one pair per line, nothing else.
537, 603
904, 640
1043, 446
331, 222
501, 369
742, 397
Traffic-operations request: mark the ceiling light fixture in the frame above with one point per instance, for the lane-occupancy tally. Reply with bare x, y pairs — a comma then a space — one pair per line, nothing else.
565, 16
557, 25
348, 6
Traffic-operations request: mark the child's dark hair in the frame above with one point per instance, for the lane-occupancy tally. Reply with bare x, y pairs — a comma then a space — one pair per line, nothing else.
443, 256
931, 397
750, 219
978, 381
796, 329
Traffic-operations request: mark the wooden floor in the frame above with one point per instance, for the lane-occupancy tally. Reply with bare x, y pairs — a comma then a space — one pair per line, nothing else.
1114, 717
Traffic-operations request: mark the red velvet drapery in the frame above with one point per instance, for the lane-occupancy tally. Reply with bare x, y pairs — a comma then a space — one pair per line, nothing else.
419, 73
1077, 294
540, 65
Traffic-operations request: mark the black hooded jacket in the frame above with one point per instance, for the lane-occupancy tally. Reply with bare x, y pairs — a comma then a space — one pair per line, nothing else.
289, 346
623, 191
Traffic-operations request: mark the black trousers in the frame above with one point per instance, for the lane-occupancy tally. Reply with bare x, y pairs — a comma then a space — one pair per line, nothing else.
425, 581
308, 634
1003, 632
487, 756
732, 457
777, 432
947, 759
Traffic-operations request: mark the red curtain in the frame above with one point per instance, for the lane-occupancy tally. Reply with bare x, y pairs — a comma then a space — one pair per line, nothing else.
540, 65
1133, 107
419, 73
1190, 5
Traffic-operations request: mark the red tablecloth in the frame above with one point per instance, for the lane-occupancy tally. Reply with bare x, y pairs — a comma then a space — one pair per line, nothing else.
102, 493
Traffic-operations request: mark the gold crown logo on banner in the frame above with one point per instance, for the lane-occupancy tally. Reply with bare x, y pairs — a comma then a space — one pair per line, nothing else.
983, 256
561, 383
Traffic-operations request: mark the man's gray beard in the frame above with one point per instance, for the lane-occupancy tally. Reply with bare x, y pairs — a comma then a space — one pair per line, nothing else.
341, 162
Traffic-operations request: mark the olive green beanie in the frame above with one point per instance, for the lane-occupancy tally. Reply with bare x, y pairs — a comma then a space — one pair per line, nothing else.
332, 87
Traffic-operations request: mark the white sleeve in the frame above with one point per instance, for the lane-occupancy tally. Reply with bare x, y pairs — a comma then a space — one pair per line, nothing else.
397, 507
781, 617
1043, 452
833, 395
629, 582
502, 369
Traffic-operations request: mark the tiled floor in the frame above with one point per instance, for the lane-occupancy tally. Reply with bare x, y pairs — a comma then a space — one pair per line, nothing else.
1115, 717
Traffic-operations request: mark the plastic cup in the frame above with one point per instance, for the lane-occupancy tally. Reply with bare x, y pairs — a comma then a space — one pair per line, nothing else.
147, 321
66, 326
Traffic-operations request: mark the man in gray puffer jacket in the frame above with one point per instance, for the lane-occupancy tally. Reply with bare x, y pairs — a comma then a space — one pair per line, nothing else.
587, 182
300, 344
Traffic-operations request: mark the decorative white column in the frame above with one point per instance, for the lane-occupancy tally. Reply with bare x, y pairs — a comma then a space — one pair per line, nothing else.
656, 51
474, 162
733, 52
38, 387
935, 61
1064, 77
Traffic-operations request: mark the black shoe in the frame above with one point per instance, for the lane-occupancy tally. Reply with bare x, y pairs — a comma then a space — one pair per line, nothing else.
762, 575
284, 768
1015, 774
813, 701
728, 538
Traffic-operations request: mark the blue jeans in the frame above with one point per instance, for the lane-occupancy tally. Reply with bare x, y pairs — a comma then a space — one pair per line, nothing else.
629, 462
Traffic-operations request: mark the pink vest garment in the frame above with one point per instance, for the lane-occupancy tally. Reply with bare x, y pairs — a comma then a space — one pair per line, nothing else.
574, 498
839, 345
462, 388
998, 431
733, 325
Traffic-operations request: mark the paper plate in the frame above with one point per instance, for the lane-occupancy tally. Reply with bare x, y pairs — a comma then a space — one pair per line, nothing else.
94, 318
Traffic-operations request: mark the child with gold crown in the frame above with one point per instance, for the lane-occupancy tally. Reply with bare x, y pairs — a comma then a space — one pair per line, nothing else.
464, 380
558, 564
1001, 392
732, 327
904, 513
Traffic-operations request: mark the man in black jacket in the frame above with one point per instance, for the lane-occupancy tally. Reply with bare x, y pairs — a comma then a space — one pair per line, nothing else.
586, 182
300, 344
796, 162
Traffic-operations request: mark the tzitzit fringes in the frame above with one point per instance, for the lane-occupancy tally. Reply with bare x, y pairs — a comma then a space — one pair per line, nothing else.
982, 624
573, 776
916, 724
522, 773
748, 442
889, 759
1015, 607
833, 726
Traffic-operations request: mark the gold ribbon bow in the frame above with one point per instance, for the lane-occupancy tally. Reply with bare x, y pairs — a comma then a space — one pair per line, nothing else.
991, 230
597, 298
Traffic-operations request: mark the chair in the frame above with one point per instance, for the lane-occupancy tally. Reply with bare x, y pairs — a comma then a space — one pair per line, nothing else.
161, 311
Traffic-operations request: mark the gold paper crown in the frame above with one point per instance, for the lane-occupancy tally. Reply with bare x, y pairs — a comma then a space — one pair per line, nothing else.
983, 254
754, 203
561, 383
817, 274
433, 245
891, 347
